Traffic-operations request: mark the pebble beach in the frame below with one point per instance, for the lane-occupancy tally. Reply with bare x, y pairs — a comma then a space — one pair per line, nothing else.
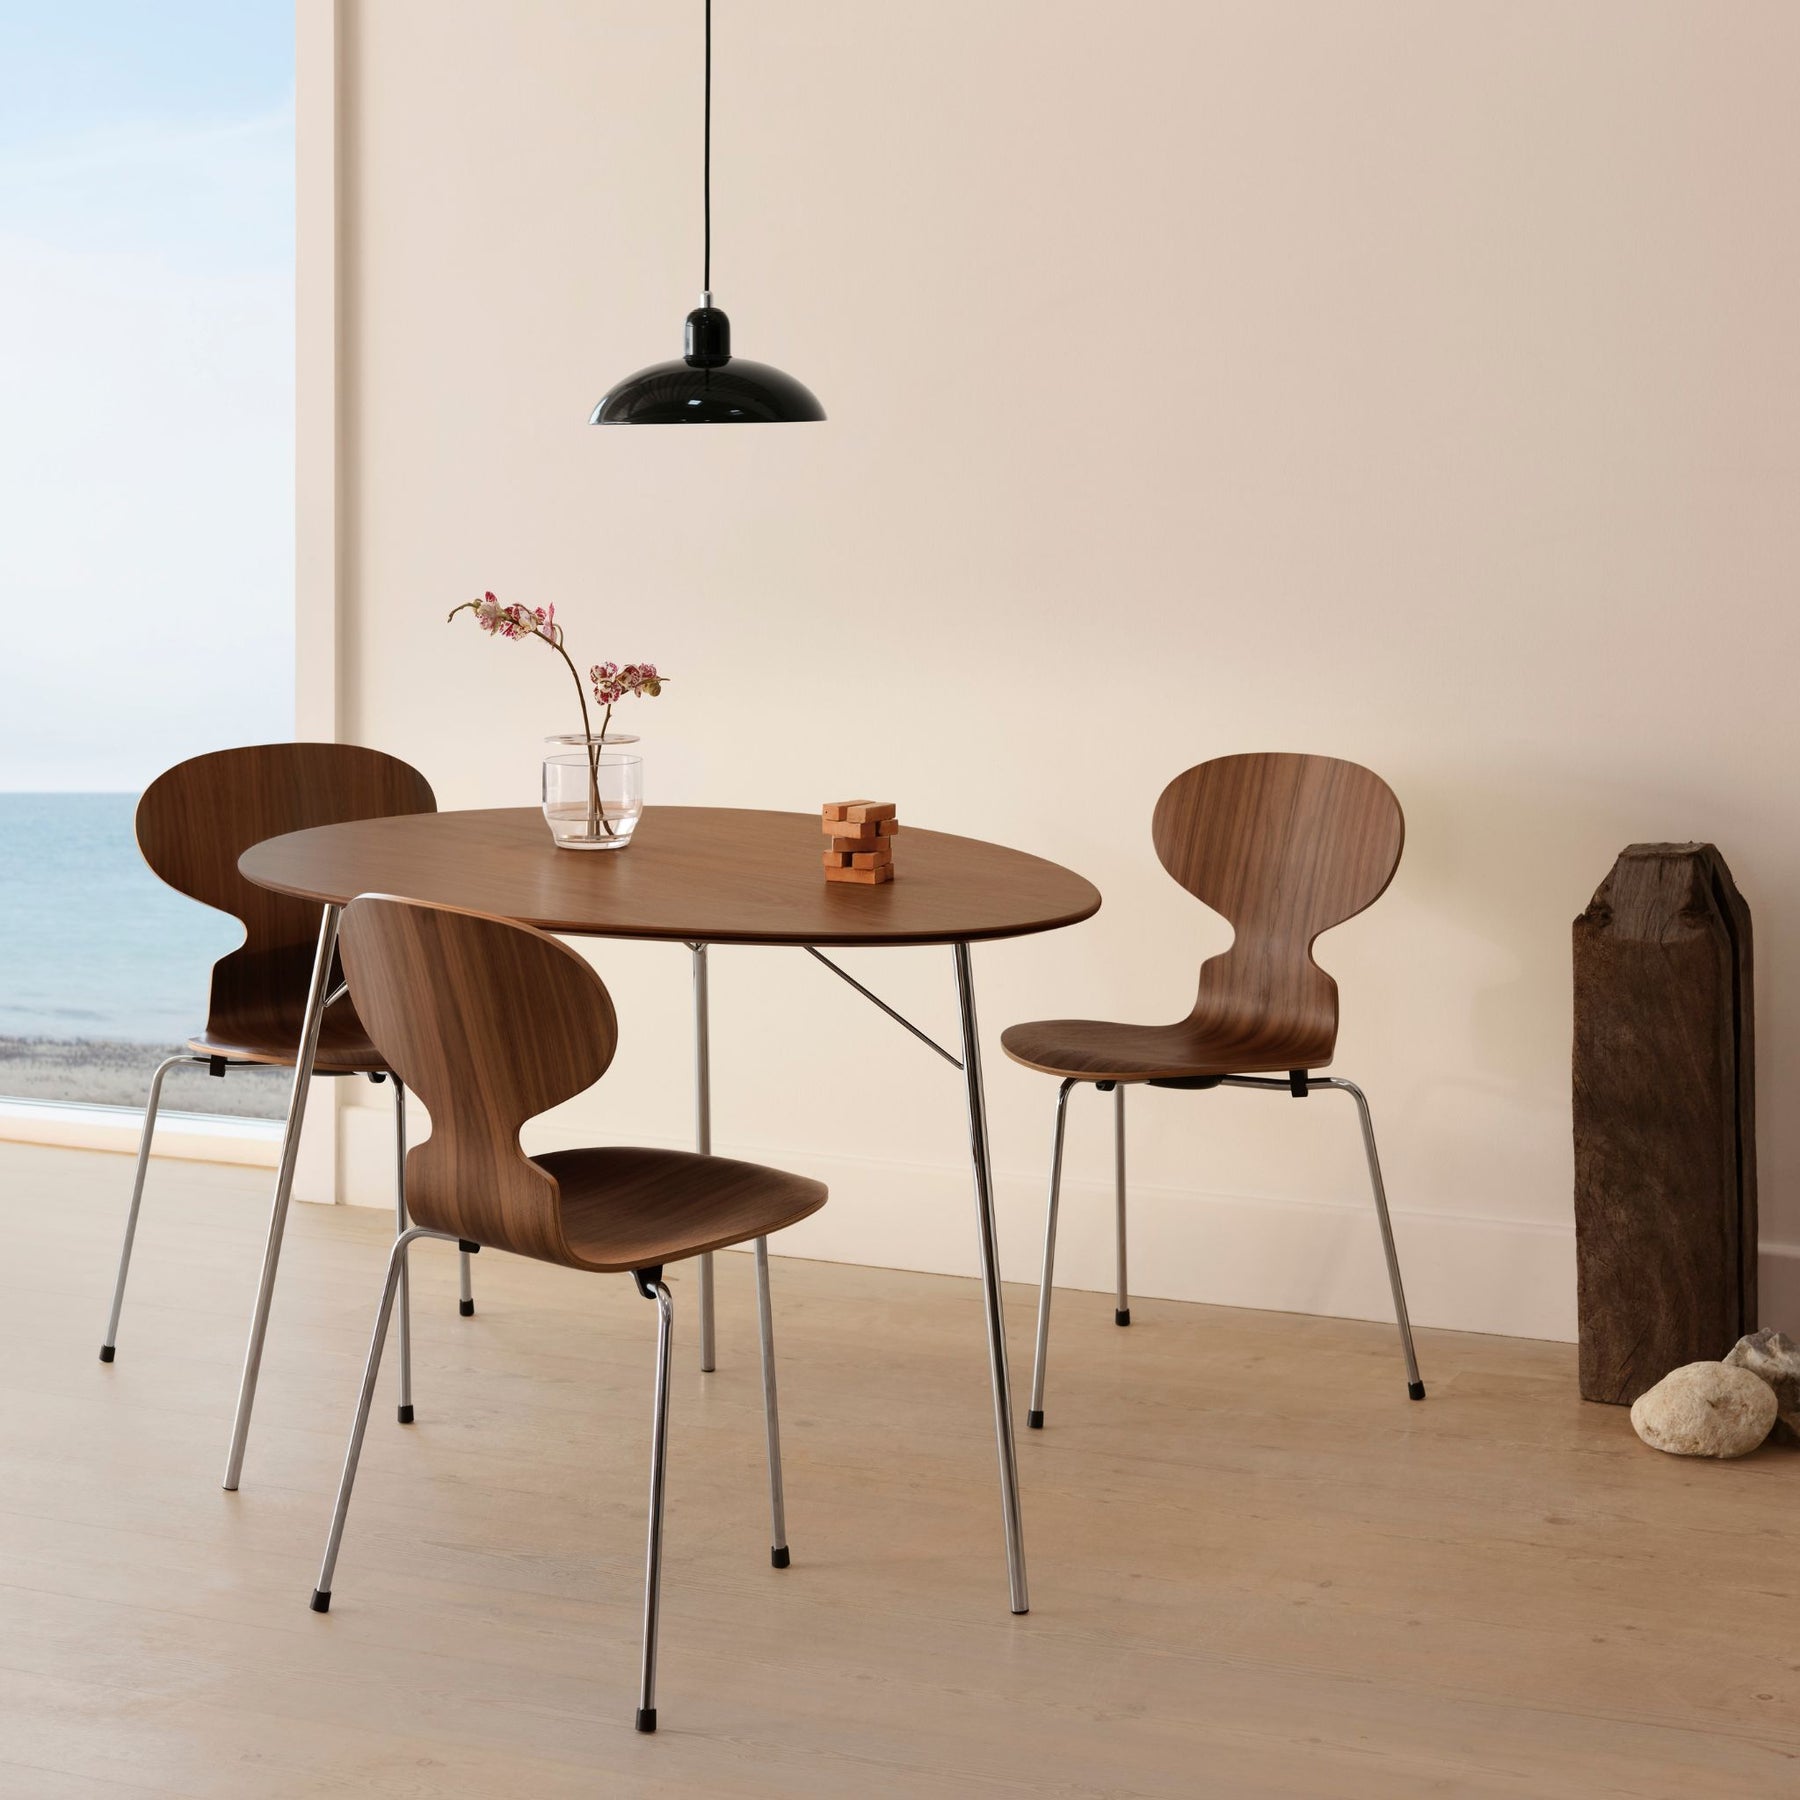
112, 1072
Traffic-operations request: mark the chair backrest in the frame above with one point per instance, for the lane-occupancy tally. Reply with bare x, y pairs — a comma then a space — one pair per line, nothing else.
1285, 847
198, 818
489, 1023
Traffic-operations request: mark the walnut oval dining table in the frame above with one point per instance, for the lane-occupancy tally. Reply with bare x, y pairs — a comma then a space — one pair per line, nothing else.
698, 876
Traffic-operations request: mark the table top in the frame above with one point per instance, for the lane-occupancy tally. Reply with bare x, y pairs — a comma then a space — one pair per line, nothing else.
699, 874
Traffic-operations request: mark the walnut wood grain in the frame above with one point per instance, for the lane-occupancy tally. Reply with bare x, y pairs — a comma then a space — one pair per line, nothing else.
1664, 1079
1285, 847
491, 1023
195, 821
691, 873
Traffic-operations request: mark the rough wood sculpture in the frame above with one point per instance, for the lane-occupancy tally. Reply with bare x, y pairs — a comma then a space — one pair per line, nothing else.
1665, 1121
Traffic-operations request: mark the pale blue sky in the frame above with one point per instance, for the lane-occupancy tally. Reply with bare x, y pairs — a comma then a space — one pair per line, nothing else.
146, 381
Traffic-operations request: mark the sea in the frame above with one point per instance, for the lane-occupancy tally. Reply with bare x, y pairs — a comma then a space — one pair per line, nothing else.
94, 945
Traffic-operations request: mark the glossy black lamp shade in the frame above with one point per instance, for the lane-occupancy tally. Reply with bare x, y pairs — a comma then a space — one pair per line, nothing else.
673, 393
708, 386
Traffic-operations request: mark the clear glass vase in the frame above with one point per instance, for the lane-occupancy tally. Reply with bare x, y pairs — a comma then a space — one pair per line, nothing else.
593, 798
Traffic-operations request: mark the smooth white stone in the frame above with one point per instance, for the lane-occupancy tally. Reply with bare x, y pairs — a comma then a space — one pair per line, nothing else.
1705, 1409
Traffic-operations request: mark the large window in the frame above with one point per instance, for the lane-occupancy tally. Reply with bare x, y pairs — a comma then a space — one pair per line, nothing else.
146, 489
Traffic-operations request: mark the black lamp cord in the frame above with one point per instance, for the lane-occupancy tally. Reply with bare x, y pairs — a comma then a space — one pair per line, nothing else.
706, 171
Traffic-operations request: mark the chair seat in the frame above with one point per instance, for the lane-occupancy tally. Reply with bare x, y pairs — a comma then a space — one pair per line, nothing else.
344, 1047
1101, 1050
633, 1209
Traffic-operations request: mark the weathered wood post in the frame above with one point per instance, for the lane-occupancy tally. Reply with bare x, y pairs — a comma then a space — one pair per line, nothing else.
1665, 1119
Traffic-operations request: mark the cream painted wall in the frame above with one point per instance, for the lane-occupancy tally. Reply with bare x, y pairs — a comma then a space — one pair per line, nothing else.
1412, 382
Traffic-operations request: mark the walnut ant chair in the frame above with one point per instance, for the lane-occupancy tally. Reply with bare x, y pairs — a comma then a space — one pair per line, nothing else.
492, 1023
1285, 847
193, 823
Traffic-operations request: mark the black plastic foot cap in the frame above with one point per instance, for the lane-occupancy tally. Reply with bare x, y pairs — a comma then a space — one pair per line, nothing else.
466, 1308
321, 1600
1122, 1315
1415, 1390
1035, 1419
106, 1352
646, 1718
778, 1556
405, 1413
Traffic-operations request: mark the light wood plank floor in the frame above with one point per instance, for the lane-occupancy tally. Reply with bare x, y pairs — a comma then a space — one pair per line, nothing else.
1257, 1569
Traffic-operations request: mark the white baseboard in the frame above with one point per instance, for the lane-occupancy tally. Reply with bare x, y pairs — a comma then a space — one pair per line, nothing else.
1509, 1277
1504, 1276
193, 1137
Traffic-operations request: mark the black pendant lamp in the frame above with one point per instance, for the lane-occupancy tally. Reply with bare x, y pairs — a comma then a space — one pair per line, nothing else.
708, 385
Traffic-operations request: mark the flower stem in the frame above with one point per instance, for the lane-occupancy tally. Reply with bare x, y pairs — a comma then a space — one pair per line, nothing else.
551, 633
596, 807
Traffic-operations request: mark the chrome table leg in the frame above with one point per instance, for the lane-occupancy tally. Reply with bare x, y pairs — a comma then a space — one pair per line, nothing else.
1035, 1418
990, 1281
778, 1544
703, 1137
652, 1287
284, 1188
137, 1197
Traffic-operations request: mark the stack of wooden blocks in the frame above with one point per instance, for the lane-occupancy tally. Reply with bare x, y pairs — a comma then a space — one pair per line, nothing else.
862, 841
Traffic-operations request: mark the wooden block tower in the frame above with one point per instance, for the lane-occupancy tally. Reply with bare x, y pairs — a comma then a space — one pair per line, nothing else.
861, 847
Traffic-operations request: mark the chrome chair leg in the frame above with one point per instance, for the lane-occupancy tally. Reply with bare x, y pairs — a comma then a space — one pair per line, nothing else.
1122, 1301
709, 1355
321, 1599
1035, 1417
651, 1285
400, 1224
108, 1348
1414, 1386
465, 1304
703, 1140
778, 1544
